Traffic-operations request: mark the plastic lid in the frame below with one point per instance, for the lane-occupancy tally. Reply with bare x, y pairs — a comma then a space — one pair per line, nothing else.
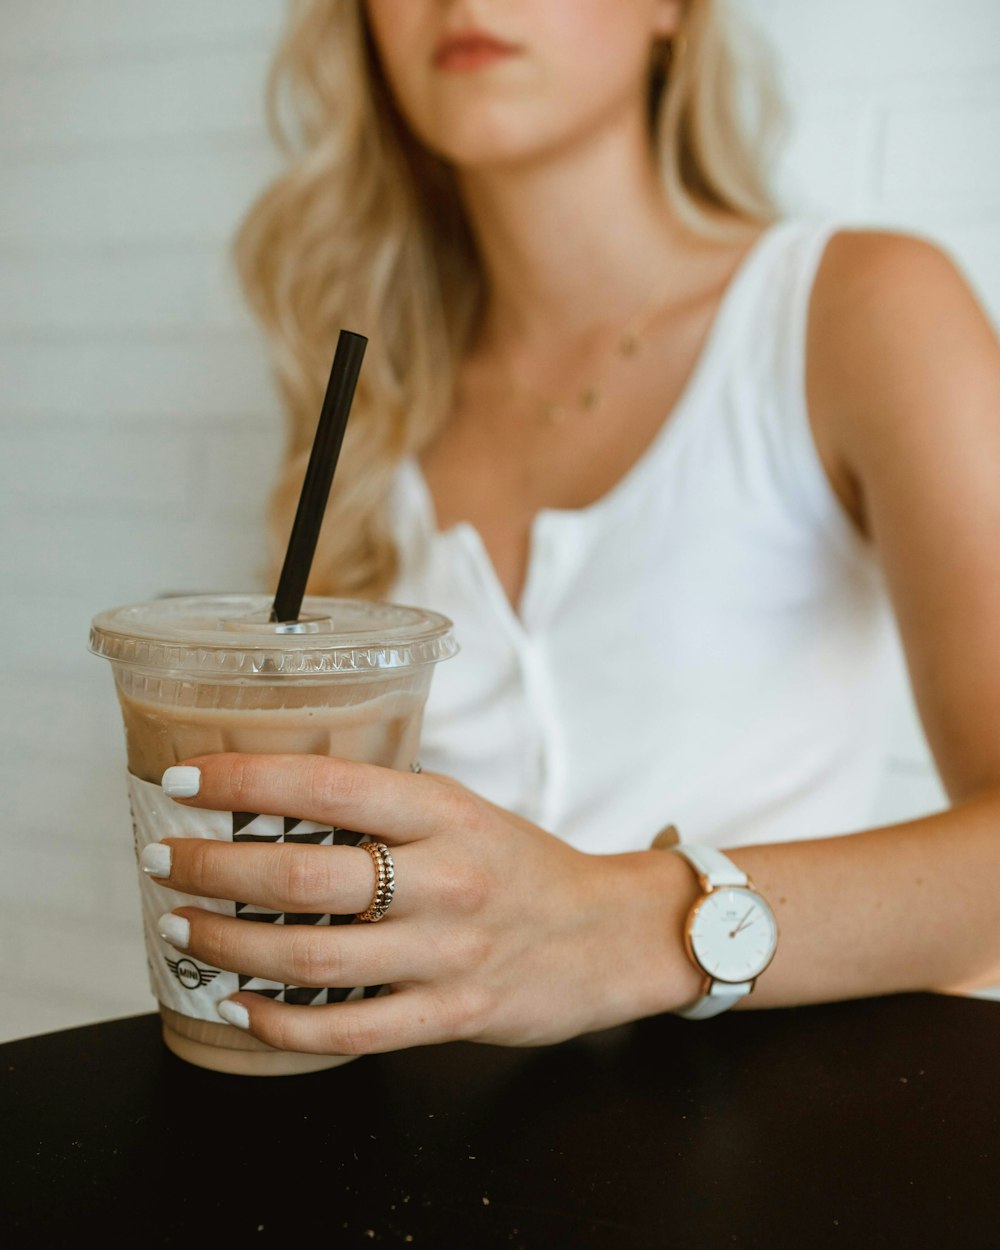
232, 636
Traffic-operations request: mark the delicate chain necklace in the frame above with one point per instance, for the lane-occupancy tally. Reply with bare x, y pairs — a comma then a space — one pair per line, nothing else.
590, 396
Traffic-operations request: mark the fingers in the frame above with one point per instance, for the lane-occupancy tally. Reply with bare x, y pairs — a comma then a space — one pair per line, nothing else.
397, 806
288, 877
410, 1017
313, 956
422, 962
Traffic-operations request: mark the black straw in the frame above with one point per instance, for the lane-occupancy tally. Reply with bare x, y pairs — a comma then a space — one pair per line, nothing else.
319, 476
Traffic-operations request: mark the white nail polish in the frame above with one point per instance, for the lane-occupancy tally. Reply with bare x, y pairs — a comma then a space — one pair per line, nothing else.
181, 781
233, 1013
155, 860
175, 930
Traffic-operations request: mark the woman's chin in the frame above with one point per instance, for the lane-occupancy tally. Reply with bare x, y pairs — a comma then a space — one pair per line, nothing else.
478, 139
477, 153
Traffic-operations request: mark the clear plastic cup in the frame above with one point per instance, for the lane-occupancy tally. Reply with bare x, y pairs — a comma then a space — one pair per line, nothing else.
206, 673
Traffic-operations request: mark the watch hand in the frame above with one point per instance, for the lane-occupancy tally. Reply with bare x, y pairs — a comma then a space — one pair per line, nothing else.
742, 925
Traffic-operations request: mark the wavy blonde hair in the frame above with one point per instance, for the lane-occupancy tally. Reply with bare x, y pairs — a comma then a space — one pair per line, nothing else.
365, 229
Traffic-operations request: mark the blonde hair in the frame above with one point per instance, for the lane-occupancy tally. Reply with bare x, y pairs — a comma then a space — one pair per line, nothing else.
365, 230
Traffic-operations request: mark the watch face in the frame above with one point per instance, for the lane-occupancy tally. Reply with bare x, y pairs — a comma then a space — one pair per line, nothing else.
733, 934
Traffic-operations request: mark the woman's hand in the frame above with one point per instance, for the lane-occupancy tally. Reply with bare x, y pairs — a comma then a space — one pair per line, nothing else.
498, 931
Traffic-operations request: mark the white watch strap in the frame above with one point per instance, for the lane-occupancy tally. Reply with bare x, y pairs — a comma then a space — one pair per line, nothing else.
719, 869
718, 999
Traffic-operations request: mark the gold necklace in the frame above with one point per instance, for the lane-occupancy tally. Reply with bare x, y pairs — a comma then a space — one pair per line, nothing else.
590, 396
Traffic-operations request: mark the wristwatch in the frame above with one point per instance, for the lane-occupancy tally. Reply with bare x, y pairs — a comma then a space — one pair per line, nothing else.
730, 933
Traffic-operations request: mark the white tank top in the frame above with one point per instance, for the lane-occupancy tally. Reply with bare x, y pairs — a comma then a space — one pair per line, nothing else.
709, 644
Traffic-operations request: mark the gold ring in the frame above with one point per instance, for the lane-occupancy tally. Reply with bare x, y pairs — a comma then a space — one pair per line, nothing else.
385, 881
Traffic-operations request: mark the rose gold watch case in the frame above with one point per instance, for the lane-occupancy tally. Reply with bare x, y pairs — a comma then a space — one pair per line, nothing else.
706, 891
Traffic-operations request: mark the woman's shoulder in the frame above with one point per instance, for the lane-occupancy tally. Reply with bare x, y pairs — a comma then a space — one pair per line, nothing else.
896, 339
872, 270
881, 295
883, 305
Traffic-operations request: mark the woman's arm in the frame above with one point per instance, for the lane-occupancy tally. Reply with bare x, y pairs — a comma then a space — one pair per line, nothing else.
904, 391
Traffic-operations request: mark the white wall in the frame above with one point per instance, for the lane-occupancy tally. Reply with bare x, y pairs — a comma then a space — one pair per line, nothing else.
139, 424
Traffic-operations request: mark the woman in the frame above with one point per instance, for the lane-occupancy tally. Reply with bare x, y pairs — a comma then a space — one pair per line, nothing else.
672, 465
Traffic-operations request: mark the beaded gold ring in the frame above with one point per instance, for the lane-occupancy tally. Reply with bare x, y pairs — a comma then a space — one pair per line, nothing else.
385, 881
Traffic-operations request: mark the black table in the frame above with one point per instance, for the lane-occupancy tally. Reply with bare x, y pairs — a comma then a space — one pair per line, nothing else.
856, 1125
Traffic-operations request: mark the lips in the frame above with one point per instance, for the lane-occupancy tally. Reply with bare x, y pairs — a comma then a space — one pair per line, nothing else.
470, 50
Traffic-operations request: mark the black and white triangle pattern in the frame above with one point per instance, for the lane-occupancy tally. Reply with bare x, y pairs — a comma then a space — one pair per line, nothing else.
252, 827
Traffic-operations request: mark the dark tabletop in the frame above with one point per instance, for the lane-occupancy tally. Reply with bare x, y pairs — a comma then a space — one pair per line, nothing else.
856, 1125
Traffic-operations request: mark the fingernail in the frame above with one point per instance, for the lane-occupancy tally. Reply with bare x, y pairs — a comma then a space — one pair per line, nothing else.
155, 859
233, 1013
175, 930
182, 781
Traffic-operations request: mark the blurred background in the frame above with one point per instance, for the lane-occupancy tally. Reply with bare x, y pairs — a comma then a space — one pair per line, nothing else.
140, 426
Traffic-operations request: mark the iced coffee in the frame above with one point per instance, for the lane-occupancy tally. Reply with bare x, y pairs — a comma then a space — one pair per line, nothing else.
205, 674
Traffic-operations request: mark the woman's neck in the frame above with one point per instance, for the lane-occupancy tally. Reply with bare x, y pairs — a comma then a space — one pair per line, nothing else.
575, 239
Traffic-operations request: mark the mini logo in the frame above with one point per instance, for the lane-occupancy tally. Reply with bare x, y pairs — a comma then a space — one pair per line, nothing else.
190, 975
